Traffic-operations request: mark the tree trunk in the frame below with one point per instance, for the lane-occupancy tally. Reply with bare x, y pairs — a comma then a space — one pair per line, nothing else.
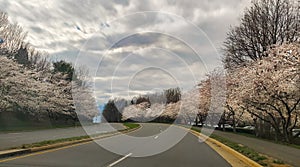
233, 122
196, 120
286, 134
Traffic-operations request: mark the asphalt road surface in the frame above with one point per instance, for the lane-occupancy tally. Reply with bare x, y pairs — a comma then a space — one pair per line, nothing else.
149, 139
9, 140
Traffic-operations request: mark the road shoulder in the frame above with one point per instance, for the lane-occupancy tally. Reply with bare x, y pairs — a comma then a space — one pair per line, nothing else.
230, 155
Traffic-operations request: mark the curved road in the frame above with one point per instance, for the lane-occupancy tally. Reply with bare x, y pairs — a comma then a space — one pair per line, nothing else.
150, 138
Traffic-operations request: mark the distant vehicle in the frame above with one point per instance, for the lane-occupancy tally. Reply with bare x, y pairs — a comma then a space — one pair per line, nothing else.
227, 126
295, 132
215, 126
212, 126
191, 123
249, 127
1, 41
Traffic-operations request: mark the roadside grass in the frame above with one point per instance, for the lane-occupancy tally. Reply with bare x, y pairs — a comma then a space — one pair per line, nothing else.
248, 152
56, 141
278, 161
131, 125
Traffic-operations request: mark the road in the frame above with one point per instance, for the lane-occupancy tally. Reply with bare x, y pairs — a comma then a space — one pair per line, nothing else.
9, 140
188, 152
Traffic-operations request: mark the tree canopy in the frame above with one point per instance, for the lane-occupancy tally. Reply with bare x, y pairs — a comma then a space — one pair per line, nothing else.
265, 23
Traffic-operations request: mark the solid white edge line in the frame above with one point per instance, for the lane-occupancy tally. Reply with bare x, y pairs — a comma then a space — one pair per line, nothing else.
121, 159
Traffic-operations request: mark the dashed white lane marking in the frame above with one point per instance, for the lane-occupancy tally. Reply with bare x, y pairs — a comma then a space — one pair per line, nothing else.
121, 159
155, 137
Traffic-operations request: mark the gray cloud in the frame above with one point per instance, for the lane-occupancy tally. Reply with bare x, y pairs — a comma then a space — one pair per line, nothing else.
86, 32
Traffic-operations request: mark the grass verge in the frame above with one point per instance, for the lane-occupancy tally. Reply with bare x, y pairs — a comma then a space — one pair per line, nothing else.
248, 152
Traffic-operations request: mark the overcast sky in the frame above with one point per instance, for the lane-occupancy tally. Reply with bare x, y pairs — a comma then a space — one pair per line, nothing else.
131, 46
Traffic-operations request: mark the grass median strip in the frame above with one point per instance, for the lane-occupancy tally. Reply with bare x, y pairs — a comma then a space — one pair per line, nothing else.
263, 160
129, 126
50, 142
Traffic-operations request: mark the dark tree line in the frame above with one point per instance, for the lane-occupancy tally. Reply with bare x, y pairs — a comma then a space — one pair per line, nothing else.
64, 68
111, 112
172, 95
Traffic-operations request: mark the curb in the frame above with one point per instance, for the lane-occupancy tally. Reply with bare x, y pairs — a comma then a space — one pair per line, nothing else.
14, 152
238, 155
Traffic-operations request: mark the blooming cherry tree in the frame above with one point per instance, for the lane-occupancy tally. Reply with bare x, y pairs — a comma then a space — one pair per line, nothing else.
269, 89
